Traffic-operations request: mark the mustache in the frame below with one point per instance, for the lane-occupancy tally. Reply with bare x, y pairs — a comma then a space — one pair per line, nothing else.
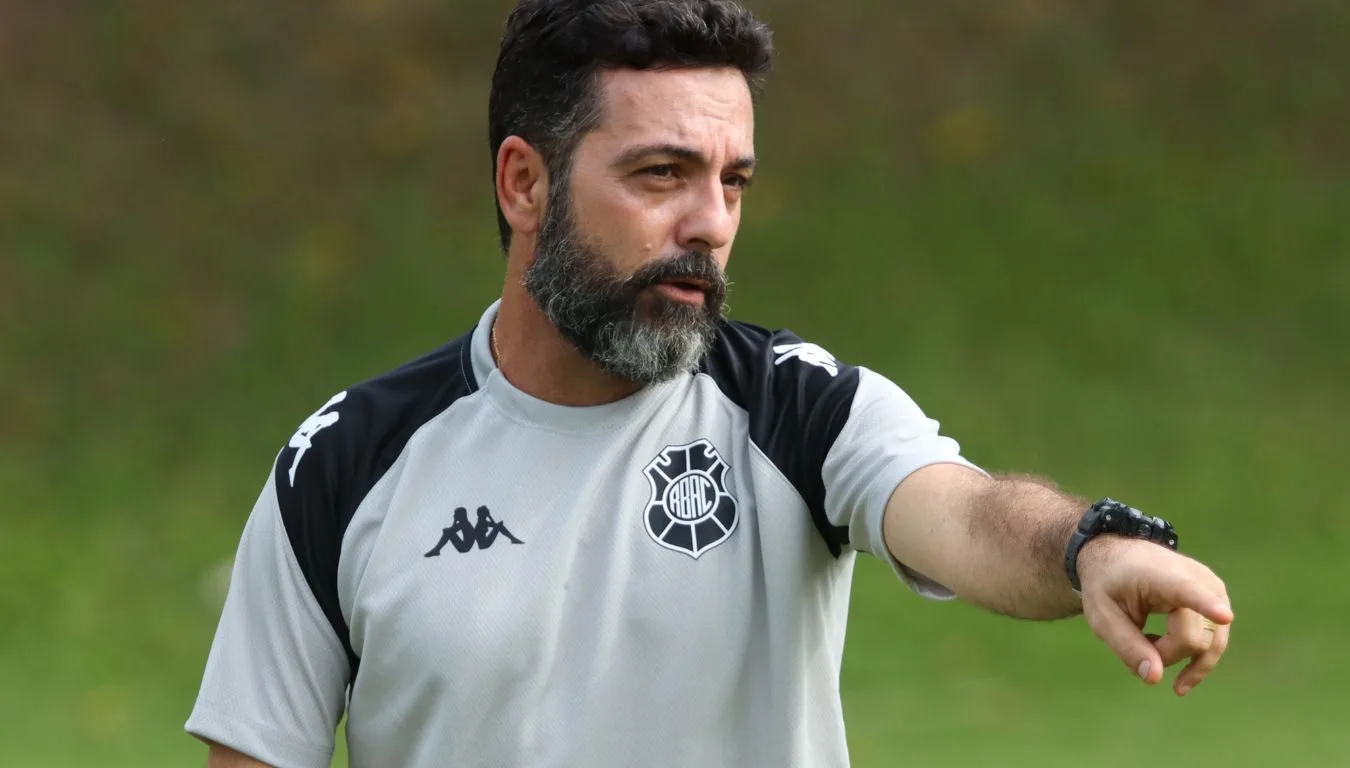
690, 265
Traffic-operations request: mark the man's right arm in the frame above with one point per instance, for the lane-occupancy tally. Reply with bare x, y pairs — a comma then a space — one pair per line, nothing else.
222, 756
276, 674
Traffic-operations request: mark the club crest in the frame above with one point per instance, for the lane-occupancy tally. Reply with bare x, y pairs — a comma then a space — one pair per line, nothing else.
690, 509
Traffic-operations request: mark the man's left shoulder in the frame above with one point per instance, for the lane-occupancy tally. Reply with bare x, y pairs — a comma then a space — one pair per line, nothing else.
797, 396
754, 364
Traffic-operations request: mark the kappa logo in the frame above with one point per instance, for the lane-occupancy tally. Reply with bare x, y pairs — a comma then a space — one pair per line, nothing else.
463, 535
811, 354
303, 439
690, 509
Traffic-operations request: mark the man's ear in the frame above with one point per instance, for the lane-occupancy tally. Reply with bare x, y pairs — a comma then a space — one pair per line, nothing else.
522, 185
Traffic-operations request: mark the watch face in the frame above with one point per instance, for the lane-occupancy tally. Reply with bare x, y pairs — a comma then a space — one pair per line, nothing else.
1114, 517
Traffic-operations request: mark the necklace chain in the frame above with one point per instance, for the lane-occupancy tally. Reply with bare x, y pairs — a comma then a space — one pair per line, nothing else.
492, 337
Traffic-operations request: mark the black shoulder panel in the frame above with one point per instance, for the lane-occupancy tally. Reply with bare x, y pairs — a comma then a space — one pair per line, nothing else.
340, 452
798, 397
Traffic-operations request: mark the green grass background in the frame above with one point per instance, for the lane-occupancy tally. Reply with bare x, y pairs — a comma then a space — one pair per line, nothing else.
1108, 243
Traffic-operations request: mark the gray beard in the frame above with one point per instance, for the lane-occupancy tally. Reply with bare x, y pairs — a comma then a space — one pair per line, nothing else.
600, 312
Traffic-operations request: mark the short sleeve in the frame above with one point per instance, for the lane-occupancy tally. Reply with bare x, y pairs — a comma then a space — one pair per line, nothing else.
886, 437
844, 436
277, 673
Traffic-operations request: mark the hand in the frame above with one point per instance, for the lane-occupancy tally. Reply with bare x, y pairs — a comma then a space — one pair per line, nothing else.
1126, 580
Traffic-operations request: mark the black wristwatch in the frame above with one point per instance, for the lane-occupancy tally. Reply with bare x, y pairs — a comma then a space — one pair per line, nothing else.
1111, 516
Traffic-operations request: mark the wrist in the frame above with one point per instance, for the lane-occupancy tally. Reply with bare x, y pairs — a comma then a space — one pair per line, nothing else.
1110, 520
1097, 554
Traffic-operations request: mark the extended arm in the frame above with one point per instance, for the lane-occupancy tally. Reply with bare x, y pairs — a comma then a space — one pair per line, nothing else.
893, 484
999, 542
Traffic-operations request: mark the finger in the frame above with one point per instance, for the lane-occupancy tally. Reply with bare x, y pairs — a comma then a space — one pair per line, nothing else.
1200, 667
1203, 593
1187, 636
1125, 638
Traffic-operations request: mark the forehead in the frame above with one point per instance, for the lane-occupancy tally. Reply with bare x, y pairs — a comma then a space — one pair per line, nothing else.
706, 109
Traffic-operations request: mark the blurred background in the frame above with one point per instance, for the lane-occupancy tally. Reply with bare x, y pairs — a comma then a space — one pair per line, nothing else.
1104, 242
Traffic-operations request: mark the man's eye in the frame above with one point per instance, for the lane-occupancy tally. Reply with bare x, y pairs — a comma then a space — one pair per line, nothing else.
660, 171
737, 180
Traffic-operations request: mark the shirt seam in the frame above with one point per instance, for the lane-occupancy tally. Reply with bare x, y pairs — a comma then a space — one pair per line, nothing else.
311, 601
759, 451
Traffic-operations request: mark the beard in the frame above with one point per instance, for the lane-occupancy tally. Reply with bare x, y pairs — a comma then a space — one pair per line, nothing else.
636, 336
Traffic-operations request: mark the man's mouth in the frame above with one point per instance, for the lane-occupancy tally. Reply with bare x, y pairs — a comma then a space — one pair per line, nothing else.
685, 290
691, 283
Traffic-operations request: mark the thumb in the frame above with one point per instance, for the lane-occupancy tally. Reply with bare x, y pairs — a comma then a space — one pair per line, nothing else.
1110, 623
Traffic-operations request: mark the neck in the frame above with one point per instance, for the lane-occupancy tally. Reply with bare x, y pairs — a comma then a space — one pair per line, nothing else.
539, 361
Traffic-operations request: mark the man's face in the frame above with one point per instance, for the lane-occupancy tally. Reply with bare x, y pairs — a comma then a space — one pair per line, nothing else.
631, 256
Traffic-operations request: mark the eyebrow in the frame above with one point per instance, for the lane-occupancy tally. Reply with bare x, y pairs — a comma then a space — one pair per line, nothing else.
685, 154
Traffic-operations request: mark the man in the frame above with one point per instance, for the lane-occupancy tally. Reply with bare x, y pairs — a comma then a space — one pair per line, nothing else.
667, 504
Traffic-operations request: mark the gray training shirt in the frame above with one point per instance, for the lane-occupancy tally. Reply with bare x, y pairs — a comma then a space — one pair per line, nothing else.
476, 577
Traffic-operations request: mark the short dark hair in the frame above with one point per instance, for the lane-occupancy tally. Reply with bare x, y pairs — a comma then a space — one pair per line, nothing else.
544, 89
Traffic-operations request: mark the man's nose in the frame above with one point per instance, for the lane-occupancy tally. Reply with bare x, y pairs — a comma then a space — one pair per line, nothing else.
711, 221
